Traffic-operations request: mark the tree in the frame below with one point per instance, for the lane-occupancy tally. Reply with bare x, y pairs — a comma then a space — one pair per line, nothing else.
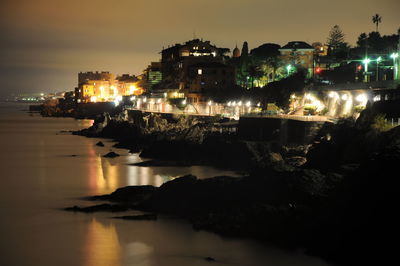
255, 72
335, 38
376, 20
266, 57
362, 40
336, 43
266, 50
245, 49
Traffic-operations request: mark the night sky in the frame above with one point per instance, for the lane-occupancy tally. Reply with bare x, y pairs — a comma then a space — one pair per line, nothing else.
44, 43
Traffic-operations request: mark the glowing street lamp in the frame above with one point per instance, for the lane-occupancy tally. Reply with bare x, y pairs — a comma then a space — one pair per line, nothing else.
394, 56
366, 61
209, 107
288, 68
378, 60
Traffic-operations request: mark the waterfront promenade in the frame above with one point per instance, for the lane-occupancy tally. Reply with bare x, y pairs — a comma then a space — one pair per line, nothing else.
215, 109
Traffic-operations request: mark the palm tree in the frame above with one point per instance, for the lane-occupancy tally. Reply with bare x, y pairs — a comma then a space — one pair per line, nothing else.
376, 20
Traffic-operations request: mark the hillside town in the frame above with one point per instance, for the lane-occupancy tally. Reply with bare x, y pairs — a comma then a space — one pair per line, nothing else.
329, 79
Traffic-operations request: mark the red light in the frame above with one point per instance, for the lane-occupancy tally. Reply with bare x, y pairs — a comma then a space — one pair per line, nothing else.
359, 67
318, 70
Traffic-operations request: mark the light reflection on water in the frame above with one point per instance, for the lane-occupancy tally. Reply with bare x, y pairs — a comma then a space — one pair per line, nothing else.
39, 176
102, 245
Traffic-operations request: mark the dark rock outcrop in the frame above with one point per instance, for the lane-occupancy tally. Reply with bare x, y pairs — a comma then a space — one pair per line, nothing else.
111, 154
146, 217
100, 144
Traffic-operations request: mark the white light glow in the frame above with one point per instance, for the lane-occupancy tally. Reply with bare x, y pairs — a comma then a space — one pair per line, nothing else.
361, 98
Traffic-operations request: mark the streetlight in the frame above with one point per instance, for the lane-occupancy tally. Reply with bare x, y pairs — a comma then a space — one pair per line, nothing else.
394, 56
366, 62
378, 60
288, 68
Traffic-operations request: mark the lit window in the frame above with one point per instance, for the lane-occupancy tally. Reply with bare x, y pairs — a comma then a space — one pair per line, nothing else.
200, 71
377, 98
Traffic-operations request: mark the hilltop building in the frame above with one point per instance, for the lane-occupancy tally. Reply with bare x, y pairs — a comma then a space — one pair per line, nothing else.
298, 54
195, 67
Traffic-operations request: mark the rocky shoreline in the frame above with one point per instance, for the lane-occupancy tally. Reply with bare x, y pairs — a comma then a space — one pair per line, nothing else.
187, 140
336, 197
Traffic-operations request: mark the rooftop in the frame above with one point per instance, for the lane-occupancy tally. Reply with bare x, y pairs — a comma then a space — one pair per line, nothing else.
296, 45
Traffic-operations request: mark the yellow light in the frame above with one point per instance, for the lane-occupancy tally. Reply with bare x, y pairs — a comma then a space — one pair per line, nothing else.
308, 96
132, 89
114, 90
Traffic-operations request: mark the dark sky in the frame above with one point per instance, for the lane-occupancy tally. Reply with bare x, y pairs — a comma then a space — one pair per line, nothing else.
45, 43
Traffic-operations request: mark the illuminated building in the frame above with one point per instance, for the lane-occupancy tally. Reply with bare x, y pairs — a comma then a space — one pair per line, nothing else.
298, 54
176, 59
106, 88
194, 67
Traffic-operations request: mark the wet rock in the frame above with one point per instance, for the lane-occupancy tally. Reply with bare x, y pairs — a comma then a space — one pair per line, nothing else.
100, 144
163, 163
132, 194
148, 217
209, 259
99, 208
111, 154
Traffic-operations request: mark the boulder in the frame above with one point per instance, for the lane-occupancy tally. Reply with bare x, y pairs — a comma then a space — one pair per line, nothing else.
100, 144
111, 154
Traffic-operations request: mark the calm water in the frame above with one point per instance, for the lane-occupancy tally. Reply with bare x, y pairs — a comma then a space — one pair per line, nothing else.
39, 175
